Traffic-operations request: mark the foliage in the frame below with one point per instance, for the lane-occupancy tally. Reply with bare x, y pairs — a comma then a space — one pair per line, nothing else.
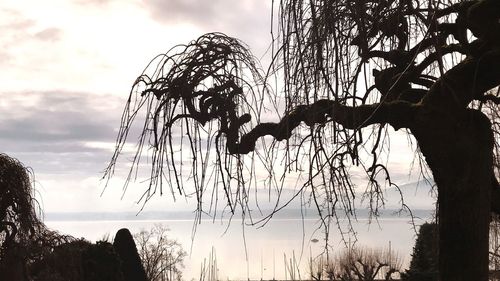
424, 263
78, 260
23, 236
18, 208
102, 263
161, 257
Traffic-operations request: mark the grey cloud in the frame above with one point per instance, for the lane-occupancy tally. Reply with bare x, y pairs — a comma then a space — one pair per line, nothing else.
52, 126
29, 146
75, 163
50, 130
65, 132
247, 20
59, 116
198, 12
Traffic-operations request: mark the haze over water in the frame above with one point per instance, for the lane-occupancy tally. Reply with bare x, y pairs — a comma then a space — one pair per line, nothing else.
249, 252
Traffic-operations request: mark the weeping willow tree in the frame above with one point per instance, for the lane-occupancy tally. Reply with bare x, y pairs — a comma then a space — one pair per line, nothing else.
18, 213
24, 238
342, 72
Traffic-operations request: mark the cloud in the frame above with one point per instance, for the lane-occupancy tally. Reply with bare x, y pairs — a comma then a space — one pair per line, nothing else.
56, 131
246, 20
16, 29
12, 29
51, 129
198, 12
23, 38
58, 116
50, 132
15, 21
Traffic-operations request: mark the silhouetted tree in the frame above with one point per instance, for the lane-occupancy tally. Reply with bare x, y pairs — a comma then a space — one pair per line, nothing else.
367, 265
124, 246
23, 236
162, 257
348, 69
78, 260
424, 262
358, 264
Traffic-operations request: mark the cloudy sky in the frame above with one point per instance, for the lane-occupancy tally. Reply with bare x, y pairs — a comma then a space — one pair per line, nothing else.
66, 70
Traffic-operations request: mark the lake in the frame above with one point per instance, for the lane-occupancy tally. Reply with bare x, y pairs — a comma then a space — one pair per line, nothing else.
248, 252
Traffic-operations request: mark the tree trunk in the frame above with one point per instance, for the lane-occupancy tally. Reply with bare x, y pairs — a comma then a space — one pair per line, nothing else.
459, 153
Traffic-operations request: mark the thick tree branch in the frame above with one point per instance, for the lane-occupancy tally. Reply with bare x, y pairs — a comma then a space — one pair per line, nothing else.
467, 81
483, 20
397, 114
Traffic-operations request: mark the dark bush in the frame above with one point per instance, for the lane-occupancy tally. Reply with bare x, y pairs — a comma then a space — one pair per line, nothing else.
127, 251
79, 261
424, 263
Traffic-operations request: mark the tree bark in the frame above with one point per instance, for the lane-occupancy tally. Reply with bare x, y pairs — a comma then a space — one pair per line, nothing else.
459, 151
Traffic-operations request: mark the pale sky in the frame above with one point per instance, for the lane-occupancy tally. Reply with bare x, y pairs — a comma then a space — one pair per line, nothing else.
66, 71
67, 68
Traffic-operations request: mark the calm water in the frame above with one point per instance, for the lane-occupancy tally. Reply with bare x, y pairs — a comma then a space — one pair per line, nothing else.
246, 252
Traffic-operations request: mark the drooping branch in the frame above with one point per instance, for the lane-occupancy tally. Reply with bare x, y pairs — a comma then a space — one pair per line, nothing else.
345, 65
211, 89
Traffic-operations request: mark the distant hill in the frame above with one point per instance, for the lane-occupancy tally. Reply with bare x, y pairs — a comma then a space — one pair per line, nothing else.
418, 196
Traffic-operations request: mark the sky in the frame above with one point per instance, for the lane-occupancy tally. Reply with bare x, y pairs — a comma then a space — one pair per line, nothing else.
67, 68
66, 71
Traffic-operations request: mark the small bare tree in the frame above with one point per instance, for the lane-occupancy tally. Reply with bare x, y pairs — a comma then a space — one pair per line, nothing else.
365, 264
162, 258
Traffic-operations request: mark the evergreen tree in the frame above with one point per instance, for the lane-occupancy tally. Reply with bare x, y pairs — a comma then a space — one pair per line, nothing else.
424, 263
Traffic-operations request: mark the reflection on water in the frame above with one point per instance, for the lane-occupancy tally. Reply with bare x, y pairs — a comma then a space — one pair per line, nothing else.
245, 252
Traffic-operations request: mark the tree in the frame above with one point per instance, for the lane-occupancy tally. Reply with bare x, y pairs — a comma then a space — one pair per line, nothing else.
360, 264
162, 258
348, 69
131, 265
367, 265
19, 222
424, 262
31, 251
24, 238
78, 260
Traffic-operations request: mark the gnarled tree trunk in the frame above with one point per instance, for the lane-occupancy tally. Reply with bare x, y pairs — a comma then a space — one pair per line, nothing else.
459, 153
